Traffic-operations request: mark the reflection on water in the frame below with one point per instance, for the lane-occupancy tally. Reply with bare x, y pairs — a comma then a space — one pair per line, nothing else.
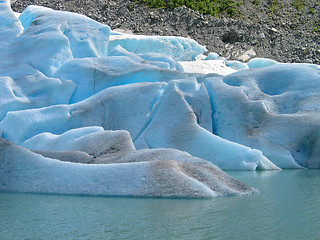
286, 208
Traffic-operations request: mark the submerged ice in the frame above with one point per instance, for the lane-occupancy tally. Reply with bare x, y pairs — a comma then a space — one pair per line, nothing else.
66, 81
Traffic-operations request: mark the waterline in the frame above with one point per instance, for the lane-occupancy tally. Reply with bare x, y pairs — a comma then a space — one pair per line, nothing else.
286, 208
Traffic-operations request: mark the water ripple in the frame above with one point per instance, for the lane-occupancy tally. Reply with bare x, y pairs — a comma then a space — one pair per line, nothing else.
286, 208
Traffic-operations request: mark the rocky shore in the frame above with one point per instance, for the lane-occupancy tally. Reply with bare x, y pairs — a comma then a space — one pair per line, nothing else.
264, 28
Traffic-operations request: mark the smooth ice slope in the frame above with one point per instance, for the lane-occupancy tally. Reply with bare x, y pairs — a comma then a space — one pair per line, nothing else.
52, 38
206, 67
274, 109
180, 49
33, 49
92, 75
10, 26
157, 115
183, 132
63, 71
24, 171
23, 87
125, 107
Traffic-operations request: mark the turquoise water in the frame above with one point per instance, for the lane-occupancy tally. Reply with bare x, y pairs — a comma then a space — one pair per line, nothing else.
286, 208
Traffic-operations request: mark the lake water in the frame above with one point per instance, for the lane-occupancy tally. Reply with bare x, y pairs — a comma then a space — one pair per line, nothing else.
288, 207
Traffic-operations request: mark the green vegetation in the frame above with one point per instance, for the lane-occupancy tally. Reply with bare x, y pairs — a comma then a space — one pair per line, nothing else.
298, 4
255, 2
212, 7
220, 7
316, 28
130, 7
274, 6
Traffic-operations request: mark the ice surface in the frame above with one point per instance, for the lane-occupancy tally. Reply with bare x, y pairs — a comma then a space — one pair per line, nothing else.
207, 67
77, 140
212, 56
52, 38
23, 87
237, 65
34, 46
183, 132
261, 62
156, 59
10, 27
24, 171
125, 107
149, 112
67, 82
274, 109
178, 48
92, 75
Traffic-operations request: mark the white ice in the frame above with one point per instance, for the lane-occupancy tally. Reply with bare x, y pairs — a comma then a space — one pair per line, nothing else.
180, 49
157, 115
63, 71
207, 67
274, 109
123, 172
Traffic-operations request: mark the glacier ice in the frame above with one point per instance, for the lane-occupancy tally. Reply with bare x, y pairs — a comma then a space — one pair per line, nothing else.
150, 173
92, 75
145, 110
178, 48
70, 86
124, 107
70, 36
261, 62
207, 67
183, 132
274, 109
24, 87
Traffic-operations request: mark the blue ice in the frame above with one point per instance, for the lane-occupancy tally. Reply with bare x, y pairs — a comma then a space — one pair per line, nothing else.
65, 77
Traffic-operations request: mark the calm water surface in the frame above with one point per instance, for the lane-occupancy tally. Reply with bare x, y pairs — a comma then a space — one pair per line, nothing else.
288, 207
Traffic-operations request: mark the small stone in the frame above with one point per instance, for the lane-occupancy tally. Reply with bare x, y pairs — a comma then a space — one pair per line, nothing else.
123, 10
247, 55
274, 30
261, 35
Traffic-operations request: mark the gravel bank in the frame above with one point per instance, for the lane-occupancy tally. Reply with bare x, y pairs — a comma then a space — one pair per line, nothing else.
280, 32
